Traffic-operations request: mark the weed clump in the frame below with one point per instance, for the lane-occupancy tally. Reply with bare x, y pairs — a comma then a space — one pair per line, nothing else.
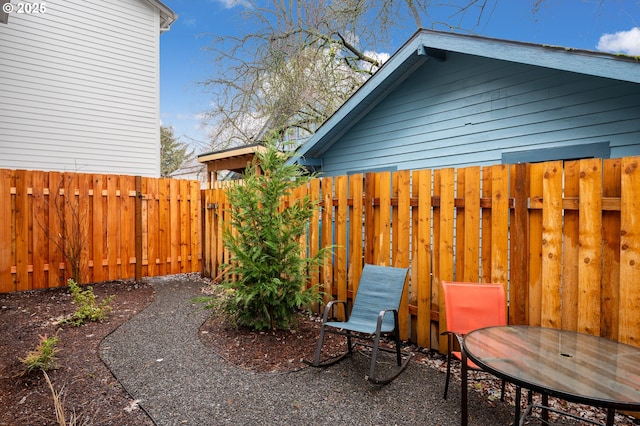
43, 357
87, 306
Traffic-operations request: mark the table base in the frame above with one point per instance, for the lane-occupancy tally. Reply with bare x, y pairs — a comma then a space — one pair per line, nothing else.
545, 410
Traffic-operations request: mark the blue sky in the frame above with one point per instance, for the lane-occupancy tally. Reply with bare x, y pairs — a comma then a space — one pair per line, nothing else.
586, 24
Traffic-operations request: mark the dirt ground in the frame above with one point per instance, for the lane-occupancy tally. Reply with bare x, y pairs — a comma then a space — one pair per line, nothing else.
89, 390
88, 387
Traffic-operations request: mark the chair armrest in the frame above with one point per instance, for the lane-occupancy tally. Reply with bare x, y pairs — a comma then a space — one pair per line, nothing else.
381, 317
451, 335
329, 306
384, 311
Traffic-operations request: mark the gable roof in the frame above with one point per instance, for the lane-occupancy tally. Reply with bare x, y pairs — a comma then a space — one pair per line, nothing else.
428, 45
167, 16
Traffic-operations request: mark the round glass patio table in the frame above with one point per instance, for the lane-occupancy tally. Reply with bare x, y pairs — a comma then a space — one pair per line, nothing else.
572, 366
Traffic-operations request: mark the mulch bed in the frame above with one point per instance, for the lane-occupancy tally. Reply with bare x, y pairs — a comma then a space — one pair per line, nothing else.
87, 385
91, 392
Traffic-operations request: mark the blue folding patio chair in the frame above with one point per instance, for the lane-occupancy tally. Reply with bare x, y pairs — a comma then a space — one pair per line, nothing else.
374, 313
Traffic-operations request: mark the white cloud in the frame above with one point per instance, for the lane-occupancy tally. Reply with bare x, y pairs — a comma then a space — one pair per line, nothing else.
627, 42
189, 22
182, 116
380, 56
228, 4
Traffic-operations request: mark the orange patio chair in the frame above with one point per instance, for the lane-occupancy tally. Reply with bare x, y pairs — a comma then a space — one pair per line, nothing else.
470, 306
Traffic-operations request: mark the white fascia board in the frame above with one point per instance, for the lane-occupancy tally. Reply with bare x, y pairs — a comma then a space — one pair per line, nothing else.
167, 16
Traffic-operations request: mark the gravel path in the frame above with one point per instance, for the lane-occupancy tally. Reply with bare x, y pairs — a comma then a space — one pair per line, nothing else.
159, 359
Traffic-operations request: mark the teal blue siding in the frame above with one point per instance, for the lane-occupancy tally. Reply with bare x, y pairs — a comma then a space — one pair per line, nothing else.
469, 110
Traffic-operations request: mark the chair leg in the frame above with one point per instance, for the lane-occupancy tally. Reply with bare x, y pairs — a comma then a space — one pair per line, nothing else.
446, 381
502, 391
374, 356
398, 344
316, 360
376, 349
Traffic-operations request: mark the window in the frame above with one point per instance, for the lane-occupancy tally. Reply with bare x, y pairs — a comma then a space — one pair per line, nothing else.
374, 170
576, 152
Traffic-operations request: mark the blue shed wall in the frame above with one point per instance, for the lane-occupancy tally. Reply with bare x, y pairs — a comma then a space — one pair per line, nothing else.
469, 110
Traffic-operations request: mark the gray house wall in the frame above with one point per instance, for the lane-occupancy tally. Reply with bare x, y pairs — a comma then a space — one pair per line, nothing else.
470, 110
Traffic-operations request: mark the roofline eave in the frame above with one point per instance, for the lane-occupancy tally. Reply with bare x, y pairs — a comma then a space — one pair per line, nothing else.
167, 16
580, 61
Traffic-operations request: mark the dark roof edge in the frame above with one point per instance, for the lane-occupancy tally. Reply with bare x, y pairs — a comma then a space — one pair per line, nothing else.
231, 149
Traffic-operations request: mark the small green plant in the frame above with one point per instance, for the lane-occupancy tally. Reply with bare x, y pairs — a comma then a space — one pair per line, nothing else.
43, 357
87, 307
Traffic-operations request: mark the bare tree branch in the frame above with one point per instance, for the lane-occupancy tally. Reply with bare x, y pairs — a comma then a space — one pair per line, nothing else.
302, 59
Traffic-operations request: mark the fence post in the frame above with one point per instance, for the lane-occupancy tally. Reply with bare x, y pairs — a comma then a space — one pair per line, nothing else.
369, 193
519, 285
138, 228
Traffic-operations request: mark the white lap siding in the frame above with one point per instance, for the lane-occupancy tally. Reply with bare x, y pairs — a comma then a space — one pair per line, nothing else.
79, 88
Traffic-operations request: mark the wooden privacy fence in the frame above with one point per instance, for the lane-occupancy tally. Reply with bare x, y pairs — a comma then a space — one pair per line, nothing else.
563, 238
124, 226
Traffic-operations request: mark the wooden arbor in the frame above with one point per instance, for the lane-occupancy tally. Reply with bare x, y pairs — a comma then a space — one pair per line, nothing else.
232, 159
